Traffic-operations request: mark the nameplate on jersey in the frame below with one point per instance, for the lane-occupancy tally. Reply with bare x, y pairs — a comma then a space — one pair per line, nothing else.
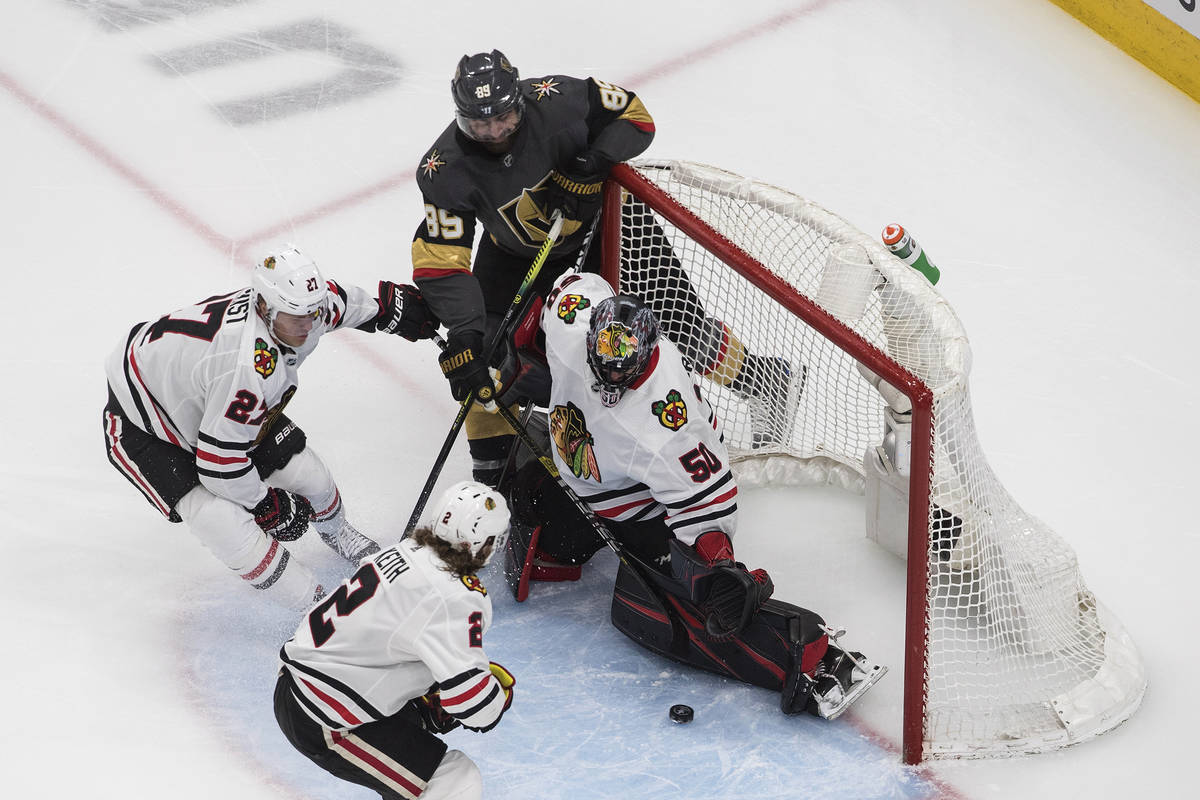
391, 564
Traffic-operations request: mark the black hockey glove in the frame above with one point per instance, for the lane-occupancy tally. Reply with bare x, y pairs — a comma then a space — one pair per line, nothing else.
282, 515
575, 189
462, 364
404, 312
433, 717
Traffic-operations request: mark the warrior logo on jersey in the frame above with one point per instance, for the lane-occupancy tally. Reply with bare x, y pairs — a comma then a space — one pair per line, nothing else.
265, 358
570, 304
672, 413
432, 163
545, 88
569, 431
474, 584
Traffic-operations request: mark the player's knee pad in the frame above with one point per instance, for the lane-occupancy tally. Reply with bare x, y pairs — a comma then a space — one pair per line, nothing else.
224, 527
230, 534
456, 778
307, 474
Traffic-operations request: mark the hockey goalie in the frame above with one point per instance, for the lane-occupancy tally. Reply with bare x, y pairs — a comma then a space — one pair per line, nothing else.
632, 436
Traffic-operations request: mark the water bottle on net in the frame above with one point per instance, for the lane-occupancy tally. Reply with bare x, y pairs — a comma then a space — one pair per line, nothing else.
908, 250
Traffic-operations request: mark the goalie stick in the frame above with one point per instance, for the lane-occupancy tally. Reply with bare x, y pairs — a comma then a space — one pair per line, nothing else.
517, 303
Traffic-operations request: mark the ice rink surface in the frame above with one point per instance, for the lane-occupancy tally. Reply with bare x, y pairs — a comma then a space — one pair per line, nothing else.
153, 149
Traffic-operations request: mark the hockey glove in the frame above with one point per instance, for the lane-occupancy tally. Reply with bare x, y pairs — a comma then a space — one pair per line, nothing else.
433, 717
462, 364
403, 312
282, 515
575, 189
506, 681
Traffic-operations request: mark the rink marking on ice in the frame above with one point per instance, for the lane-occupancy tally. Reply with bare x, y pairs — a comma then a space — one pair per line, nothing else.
230, 245
712, 49
159, 196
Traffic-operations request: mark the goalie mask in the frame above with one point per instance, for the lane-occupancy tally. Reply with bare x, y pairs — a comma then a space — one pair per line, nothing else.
471, 516
487, 99
289, 282
621, 338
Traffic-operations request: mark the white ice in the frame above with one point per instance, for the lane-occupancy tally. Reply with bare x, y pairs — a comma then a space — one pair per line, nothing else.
1053, 179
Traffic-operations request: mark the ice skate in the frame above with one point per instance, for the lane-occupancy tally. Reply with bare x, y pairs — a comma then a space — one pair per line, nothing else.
349, 543
840, 679
770, 386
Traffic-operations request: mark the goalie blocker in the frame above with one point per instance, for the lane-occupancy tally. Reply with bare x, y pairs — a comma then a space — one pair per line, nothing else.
699, 608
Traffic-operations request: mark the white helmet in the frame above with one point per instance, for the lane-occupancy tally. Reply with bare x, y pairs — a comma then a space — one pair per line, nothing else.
470, 513
289, 281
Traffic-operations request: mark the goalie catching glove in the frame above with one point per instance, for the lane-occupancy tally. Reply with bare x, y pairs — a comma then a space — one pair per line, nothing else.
402, 311
282, 515
724, 589
575, 190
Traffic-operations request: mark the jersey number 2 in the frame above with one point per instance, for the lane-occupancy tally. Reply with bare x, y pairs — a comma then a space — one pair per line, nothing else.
343, 602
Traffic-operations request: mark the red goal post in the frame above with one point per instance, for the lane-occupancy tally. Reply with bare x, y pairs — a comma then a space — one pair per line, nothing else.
1005, 650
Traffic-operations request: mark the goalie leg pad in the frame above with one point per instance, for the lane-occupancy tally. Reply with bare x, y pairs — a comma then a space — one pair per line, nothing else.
668, 623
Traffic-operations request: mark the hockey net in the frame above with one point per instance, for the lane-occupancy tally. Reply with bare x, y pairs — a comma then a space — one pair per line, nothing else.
1006, 650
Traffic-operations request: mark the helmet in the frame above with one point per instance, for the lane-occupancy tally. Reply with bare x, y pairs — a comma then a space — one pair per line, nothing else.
472, 514
289, 281
621, 337
485, 85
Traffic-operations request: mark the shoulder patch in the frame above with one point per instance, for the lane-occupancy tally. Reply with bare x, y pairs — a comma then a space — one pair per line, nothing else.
432, 163
672, 412
569, 305
265, 358
473, 583
544, 88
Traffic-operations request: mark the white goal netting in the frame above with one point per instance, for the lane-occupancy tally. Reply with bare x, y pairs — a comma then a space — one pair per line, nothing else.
1018, 656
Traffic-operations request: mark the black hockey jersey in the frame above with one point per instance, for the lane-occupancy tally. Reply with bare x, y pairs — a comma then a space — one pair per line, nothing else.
463, 184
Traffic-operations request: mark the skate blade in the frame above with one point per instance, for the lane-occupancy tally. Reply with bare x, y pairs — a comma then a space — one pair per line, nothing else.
832, 711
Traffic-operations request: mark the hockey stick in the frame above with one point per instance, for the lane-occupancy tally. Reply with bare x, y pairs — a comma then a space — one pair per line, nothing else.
556, 225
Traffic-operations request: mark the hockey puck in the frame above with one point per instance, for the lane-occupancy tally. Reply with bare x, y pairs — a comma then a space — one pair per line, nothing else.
681, 713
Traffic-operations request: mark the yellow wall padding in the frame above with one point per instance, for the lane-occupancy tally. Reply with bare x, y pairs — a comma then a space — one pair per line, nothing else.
1145, 34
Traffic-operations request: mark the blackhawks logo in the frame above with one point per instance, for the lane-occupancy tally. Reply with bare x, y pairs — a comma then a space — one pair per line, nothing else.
569, 431
474, 584
672, 412
570, 304
265, 358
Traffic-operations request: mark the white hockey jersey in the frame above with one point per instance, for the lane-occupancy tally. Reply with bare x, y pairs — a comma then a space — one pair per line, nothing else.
397, 627
210, 378
657, 451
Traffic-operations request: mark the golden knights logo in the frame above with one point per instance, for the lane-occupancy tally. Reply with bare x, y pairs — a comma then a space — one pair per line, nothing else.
671, 413
474, 584
568, 430
432, 163
545, 88
569, 305
529, 218
265, 356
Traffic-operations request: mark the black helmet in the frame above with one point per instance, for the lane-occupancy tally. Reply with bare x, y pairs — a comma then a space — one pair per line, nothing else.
621, 338
485, 85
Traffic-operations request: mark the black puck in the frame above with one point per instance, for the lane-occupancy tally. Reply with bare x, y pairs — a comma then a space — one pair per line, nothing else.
681, 713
